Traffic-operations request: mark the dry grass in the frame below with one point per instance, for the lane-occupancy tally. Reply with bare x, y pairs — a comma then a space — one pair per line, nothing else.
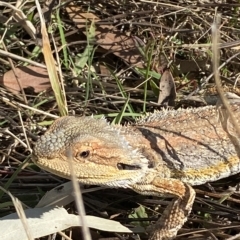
97, 80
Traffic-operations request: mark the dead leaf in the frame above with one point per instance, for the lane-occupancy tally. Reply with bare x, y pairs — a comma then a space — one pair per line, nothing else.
119, 44
107, 36
61, 195
48, 220
31, 77
81, 18
167, 87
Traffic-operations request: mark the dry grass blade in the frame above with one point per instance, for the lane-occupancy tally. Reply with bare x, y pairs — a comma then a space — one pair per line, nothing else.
234, 237
15, 105
215, 40
100, 77
15, 56
50, 63
19, 16
78, 197
21, 214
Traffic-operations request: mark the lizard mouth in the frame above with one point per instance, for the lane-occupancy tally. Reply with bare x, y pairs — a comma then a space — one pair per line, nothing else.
123, 166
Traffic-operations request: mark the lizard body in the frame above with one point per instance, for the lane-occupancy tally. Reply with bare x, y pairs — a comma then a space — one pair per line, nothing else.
164, 153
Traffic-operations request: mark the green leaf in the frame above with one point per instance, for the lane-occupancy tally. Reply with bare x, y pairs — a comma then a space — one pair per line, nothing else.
139, 213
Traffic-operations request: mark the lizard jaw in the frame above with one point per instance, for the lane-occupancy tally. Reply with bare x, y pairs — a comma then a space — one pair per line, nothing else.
88, 173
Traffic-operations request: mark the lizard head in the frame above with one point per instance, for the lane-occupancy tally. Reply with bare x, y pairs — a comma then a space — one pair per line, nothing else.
100, 153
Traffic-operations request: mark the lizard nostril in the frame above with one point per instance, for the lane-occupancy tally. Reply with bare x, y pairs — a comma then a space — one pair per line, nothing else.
151, 164
84, 154
120, 166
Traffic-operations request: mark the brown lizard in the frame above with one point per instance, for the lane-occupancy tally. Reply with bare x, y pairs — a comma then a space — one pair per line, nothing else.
164, 153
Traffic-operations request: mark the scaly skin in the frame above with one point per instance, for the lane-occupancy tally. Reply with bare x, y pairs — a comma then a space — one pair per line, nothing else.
164, 153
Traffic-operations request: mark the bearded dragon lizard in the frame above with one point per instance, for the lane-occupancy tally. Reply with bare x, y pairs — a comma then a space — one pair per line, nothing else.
165, 153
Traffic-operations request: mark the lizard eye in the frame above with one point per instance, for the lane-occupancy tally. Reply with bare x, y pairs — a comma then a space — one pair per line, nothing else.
84, 154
